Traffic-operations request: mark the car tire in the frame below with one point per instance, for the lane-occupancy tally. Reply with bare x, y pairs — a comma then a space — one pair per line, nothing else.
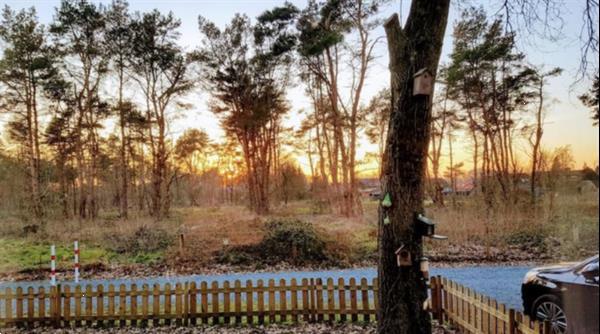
549, 307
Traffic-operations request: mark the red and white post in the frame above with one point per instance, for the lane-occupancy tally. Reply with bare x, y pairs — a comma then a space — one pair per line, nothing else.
76, 260
53, 265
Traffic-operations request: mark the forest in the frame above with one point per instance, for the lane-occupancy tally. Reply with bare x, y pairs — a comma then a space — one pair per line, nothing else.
88, 146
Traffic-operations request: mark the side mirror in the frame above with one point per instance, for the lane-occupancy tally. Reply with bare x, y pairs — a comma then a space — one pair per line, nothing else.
590, 272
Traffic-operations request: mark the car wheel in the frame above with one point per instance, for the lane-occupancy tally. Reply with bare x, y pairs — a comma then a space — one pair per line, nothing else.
549, 307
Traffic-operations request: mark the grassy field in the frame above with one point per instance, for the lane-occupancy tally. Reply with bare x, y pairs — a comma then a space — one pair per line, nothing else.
561, 227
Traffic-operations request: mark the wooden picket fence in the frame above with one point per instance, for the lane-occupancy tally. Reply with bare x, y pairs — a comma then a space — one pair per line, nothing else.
310, 300
472, 312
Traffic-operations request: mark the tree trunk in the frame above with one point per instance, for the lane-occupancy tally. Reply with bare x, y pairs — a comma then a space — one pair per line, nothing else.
403, 290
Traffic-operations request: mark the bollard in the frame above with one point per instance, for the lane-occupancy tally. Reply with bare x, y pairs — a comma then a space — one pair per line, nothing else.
53, 265
76, 260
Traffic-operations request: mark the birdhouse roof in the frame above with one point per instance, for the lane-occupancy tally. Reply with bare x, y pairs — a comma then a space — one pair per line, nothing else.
423, 71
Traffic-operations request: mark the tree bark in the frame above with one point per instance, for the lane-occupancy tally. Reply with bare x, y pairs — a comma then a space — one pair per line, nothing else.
403, 290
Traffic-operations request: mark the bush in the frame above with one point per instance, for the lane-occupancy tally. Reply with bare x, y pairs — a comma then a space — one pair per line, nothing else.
143, 240
293, 241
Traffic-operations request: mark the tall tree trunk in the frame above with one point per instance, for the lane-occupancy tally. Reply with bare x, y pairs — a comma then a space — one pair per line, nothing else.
123, 196
403, 290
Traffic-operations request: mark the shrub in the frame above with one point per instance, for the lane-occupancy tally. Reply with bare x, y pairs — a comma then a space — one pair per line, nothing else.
143, 240
293, 241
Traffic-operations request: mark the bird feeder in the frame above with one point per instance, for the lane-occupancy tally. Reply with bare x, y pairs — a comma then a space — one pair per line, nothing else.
387, 201
403, 257
423, 83
426, 228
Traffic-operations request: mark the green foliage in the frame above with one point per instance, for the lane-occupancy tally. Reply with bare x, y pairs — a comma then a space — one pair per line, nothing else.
293, 240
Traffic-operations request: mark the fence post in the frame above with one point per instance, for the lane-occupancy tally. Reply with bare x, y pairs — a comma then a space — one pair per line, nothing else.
434, 298
511, 321
546, 327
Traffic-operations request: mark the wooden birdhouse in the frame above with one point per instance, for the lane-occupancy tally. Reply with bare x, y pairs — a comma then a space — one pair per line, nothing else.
423, 83
403, 257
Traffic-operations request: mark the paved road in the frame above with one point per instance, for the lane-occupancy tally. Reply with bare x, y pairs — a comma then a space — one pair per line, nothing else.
501, 283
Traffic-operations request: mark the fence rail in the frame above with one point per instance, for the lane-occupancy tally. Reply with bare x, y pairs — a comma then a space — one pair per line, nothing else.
307, 300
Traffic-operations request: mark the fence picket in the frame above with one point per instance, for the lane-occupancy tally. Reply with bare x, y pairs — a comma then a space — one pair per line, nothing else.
353, 301
155, 305
122, 305
214, 287
178, 304
294, 301
261, 301
226, 303
19, 307
111, 305
237, 288
271, 292
204, 301
100, 305
193, 311
282, 301
305, 300
249, 303
133, 304
42, 305
319, 294
342, 299
167, 311
364, 291
145, 304
8, 302
30, 306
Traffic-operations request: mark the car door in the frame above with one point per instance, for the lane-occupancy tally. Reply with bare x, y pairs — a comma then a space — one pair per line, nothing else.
585, 292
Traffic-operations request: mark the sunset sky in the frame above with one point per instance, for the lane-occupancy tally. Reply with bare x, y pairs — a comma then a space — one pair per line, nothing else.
567, 120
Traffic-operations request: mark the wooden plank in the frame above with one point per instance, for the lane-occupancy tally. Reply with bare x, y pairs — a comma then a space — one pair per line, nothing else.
77, 298
237, 300
100, 304
19, 298
30, 306
145, 304
215, 303
42, 304
330, 300
193, 296
122, 305
342, 298
271, 292
133, 307
226, 302
88, 304
8, 306
305, 300
249, 302
155, 305
353, 300
364, 290
282, 301
261, 301
294, 299
511, 322
168, 312
312, 300
319, 299
111, 303
178, 304
186, 303
204, 301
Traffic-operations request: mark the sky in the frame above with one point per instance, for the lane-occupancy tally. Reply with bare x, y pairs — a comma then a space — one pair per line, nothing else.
567, 121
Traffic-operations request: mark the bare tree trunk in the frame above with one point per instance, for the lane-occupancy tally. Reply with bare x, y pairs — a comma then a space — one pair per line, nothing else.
403, 290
